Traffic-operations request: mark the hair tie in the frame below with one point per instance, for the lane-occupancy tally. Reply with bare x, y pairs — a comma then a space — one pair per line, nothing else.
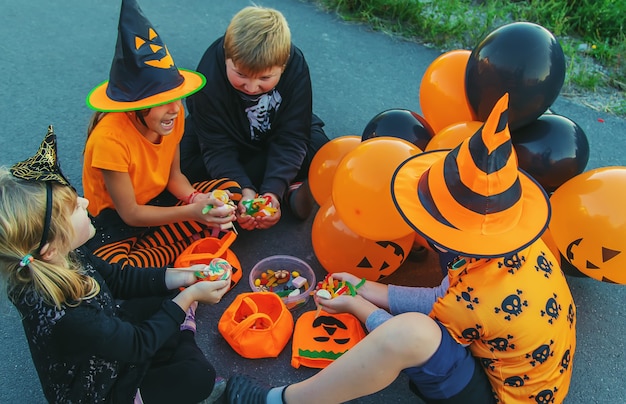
28, 258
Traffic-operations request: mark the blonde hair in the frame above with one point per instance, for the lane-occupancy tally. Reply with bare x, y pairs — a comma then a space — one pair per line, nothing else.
22, 211
257, 39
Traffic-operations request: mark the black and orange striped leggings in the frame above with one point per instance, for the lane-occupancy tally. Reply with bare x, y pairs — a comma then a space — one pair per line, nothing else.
117, 242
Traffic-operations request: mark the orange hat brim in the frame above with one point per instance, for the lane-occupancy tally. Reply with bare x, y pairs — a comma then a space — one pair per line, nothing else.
535, 213
99, 100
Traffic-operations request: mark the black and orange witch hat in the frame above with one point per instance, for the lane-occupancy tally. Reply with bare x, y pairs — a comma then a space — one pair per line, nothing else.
473, 200
143, 73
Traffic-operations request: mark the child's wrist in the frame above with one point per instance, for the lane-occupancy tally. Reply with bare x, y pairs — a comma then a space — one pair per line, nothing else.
190, 198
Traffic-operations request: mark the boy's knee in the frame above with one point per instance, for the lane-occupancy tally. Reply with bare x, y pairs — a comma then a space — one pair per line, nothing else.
410, 332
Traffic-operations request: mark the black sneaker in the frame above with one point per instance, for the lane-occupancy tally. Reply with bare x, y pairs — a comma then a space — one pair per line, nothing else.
242, 389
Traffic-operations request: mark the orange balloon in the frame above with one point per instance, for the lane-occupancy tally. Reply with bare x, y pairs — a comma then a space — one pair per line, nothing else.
361, 189
566, 267
451, 136
588, 223
442, 91
325, 162
339, 249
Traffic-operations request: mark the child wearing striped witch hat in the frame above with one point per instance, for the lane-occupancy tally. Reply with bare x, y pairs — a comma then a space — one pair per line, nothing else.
499, 328
146, 212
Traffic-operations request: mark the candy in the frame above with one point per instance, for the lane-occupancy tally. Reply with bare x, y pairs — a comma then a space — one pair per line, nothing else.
218, 269
260, 206
226, 209
323, 294
283, 282
298, 281
282, 276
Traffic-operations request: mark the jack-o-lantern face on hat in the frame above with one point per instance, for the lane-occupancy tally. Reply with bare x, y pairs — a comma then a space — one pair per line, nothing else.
153, 51
588, 223
143, 73
339, 249
319, 341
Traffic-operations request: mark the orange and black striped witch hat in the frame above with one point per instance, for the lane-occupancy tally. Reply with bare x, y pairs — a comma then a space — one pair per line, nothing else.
143, 73
473, 200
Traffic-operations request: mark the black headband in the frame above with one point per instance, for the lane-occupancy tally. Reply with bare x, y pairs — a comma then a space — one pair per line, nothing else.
47, 217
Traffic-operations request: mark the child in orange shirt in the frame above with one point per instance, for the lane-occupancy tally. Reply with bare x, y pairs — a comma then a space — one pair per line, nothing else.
146, 212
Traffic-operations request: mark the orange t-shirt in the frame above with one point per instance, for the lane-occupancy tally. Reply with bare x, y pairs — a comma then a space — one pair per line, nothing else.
116, 145
518, 316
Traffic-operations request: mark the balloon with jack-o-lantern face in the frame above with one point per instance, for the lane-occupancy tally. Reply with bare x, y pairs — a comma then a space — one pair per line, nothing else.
339, 249
588, 223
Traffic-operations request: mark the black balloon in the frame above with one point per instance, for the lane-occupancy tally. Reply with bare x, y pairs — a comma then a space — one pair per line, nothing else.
522, 59
400, 123
552, 150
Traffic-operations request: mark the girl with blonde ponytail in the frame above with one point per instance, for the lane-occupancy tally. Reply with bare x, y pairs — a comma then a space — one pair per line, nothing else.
58, 283
85, 346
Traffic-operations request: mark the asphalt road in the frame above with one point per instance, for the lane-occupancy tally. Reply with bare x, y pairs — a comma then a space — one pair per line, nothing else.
54, 53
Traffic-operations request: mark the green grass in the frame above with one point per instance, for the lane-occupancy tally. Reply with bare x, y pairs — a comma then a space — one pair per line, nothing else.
592, 34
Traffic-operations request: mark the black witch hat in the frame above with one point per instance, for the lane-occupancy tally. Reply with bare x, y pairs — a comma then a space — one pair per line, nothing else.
44, 165
143, 73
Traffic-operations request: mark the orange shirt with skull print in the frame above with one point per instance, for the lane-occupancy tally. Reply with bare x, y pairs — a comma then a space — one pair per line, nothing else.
518, 317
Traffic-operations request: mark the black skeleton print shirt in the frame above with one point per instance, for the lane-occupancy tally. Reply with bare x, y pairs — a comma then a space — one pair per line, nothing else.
227, 128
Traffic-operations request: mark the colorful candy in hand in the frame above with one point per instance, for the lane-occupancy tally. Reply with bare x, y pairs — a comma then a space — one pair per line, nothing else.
260, 206
333, 288
218, 269
220, 195
226, 209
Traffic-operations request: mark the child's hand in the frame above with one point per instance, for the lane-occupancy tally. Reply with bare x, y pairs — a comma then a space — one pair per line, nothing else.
209, 292
249, 222
201, 198
214, 211
245, 221
347, 277
175, 279
355, 305
339, 304
265, 222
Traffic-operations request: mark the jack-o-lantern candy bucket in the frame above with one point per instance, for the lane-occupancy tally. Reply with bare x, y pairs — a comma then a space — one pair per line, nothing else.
203, 251
319, 340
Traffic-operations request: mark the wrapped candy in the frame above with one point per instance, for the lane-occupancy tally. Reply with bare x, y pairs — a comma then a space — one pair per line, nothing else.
228, 207
218, 269
220, 195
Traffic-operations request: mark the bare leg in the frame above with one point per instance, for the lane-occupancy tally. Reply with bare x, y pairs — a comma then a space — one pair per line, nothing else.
403, 341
